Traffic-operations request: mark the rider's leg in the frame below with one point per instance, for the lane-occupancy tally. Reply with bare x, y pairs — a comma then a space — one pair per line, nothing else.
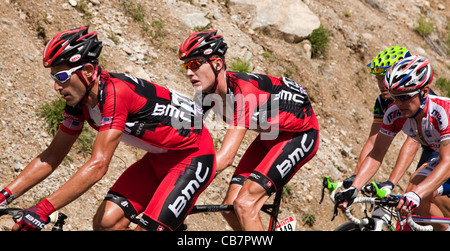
427, 207
127, 198
247, 205
282, 158
179, 189
254, 154
443, 202
110, 216
230, 216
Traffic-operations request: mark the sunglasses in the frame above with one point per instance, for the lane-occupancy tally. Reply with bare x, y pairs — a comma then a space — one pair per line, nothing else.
194, 64
405, 96
63, 76
379, 70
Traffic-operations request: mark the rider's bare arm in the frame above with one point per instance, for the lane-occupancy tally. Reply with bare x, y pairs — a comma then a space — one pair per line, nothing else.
44, 164
404, 159
374, 129
230, 145
91, 172
372, 162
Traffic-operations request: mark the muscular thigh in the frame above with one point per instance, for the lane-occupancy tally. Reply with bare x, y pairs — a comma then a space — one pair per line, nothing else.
136, 185
254, 154
284, 159
178, 192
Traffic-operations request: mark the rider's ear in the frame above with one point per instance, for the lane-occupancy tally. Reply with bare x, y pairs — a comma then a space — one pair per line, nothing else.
89, 70
426, 90
218, 63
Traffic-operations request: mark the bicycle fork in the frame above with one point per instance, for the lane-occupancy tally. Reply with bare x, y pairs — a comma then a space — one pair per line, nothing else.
274, 212
380, 218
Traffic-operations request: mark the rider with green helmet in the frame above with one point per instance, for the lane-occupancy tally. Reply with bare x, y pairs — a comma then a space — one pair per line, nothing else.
379, 66
385, 59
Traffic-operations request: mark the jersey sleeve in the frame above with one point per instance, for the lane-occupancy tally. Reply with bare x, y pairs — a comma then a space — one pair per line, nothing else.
392, 121
73, 120
439, 117
119, 101
378, 112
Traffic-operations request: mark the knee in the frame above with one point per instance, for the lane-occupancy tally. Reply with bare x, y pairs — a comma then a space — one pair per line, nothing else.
243, 206
102, 222
106, 219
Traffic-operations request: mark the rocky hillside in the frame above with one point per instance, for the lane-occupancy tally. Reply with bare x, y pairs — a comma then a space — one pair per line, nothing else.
142, 37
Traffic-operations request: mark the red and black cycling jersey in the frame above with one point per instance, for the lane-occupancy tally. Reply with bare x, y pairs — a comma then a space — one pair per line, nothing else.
154, 118
262, 102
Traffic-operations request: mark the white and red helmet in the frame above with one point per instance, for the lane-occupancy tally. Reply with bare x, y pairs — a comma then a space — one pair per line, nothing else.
409, 74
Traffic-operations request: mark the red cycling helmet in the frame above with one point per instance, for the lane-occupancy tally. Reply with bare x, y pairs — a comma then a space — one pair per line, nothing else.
202, 43
74, 46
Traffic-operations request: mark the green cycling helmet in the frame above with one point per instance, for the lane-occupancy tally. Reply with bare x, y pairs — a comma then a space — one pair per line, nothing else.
385, 59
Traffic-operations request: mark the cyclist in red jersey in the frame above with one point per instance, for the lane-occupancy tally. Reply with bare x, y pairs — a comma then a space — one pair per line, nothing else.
424, 118
164, 184
278, 108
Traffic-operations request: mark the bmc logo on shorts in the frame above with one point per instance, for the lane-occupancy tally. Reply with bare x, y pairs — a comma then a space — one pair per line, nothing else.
295, 157
190, 184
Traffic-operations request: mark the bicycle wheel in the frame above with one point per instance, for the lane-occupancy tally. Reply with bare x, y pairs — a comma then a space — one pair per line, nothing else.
348, 226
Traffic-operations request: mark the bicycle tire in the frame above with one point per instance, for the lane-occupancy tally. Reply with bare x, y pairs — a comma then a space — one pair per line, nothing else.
348, 226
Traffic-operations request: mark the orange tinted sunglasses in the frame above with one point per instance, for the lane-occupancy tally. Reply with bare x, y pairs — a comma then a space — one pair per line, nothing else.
194, 64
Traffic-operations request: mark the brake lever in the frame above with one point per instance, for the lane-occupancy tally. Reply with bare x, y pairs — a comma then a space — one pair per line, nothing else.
338, 199
324, 185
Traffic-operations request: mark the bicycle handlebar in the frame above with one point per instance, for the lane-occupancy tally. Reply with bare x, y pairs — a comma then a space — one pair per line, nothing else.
370, 190
386, 201
56, 218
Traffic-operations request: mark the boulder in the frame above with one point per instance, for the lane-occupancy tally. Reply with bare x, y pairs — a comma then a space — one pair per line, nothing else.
291, 20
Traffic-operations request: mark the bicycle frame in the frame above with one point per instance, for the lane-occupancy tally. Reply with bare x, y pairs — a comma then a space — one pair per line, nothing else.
270, 209
381, 217
430, 219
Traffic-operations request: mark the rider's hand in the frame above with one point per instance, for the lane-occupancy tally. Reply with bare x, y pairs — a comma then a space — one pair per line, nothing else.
408, 202
33, 218
5, 196
349, 181
386, 186
345, 198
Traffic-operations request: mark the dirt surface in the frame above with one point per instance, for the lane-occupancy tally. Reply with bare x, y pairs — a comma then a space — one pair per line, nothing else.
341, 89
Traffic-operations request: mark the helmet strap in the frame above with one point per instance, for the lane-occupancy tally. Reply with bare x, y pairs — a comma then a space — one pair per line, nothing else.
87, 85
423, 101
216, 74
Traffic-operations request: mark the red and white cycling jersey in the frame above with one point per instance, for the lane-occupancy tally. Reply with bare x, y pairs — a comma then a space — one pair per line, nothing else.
154, 118
435, 124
